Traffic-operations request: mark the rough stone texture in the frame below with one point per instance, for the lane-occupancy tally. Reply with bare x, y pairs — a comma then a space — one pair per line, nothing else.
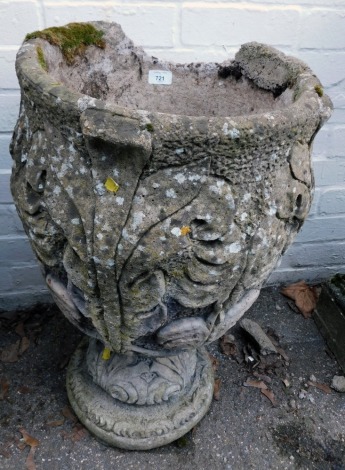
156, 214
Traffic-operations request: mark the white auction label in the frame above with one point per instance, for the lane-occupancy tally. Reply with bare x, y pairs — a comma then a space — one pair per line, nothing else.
160, 77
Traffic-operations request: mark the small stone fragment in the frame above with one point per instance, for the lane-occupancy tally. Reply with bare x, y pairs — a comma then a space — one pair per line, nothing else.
293, 404
338, 383
257, 333
311, 398
286, 382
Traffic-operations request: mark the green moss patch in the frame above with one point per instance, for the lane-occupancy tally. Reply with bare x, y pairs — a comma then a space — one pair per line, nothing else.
319, 90
72, 39
149, 127
41, 59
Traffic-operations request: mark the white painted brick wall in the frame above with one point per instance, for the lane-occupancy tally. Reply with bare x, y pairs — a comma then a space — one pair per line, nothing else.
183, 31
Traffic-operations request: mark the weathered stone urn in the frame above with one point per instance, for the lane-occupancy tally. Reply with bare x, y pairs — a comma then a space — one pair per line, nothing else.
158, 198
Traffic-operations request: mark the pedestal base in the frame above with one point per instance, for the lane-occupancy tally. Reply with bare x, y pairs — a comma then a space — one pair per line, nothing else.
138, 427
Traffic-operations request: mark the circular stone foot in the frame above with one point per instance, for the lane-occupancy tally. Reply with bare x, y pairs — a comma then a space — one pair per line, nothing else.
137, 427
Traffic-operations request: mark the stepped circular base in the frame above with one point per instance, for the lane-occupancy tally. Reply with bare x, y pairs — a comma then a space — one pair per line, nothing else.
137, 427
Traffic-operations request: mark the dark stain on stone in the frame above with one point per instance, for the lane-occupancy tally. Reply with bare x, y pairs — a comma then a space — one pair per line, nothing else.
229, 70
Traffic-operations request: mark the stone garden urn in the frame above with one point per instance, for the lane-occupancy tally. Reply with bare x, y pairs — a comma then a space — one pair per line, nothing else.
158, 198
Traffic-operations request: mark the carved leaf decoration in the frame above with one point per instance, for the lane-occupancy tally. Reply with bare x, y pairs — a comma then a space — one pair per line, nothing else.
305, 297
111, 185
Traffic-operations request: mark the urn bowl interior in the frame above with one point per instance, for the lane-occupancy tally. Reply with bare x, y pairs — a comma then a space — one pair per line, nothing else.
118, 74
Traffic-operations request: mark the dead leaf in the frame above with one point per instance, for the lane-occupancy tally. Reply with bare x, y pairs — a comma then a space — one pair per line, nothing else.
24, 344
10, 354
292, 306
263, 377
4, 449
270, 395
78, 432
23, 390
4, 387
305, 297
30, 462
68, 414
273, 336
217, 384
227, 346
5, 453
64, 434
56, 423
214, 362
323, 387
64, 360
20, 445
255, 383
283, 354
20, 329
29, 440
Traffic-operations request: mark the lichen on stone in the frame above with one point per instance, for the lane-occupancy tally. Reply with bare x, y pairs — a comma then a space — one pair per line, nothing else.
106, 354
185, 230
72, 39
111, 185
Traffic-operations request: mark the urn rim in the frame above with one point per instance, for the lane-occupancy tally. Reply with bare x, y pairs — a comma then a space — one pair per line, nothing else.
309, 103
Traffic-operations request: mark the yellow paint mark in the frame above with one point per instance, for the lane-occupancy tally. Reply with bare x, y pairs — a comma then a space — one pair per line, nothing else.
185, 230
111, 185
106, 354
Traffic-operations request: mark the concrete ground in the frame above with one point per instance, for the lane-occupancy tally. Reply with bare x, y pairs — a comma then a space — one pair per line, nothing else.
303, 429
